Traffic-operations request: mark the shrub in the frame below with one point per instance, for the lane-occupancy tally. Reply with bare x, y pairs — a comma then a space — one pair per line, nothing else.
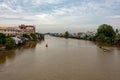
2, 38
26, 36
10, 43
66, 34
34, 37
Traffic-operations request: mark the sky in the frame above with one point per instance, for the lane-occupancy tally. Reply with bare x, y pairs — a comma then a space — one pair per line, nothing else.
60, 15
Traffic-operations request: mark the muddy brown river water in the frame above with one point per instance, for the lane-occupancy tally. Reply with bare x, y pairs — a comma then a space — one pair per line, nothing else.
63, 59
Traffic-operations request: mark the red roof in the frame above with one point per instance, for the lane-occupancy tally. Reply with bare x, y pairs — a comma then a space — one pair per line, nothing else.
25, 26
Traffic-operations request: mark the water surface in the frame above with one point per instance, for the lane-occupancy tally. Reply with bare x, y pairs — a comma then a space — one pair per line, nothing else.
63, 59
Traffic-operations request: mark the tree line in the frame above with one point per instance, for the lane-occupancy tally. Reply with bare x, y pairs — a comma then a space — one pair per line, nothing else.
105, 33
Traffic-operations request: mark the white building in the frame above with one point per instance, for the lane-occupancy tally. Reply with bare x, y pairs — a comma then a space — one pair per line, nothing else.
23, 29
9, 30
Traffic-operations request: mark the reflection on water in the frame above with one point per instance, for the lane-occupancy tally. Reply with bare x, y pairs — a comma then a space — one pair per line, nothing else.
11, 54
63, 59
6, 55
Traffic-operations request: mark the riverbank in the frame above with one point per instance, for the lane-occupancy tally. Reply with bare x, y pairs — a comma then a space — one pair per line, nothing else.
87, 39
28, 44
11, 42
105, 34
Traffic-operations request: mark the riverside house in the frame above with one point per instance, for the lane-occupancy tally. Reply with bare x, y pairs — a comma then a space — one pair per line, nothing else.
9, 30
22, 29
27, 29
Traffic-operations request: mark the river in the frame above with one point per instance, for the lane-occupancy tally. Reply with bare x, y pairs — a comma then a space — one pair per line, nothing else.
63, 59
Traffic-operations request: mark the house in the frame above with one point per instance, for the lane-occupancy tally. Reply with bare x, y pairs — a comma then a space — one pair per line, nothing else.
90, 33
9, 30
81, 35
22, 29
17, 40
27, 29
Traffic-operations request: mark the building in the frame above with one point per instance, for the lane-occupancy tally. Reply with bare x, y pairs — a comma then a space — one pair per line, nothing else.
27, 29
9, 30
22, 29
81, 35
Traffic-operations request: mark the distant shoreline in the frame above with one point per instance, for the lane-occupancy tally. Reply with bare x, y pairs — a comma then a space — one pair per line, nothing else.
96, 42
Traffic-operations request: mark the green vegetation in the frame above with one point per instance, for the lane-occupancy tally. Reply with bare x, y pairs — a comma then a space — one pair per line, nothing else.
117, 31
105, 33
119, 38
66, 35
40, 36
2, 38
34, 37
10, 43
92, 38
26, 36
6, 41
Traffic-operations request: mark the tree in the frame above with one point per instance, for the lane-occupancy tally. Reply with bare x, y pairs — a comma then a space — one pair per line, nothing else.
66, 34
34, 37
117, 31
26, 36
105, 33
10, 43
2, 38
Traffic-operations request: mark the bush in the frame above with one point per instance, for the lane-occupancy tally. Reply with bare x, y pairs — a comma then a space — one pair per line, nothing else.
66, 34
92, 38
26, 36
10, 43
34, 37
2, 38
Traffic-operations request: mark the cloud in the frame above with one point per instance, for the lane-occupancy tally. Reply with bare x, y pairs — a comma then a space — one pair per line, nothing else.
60, 12
115, 17
43, 2
5, 7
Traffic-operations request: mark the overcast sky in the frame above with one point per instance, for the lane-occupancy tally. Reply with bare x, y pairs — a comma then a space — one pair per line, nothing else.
60, 15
